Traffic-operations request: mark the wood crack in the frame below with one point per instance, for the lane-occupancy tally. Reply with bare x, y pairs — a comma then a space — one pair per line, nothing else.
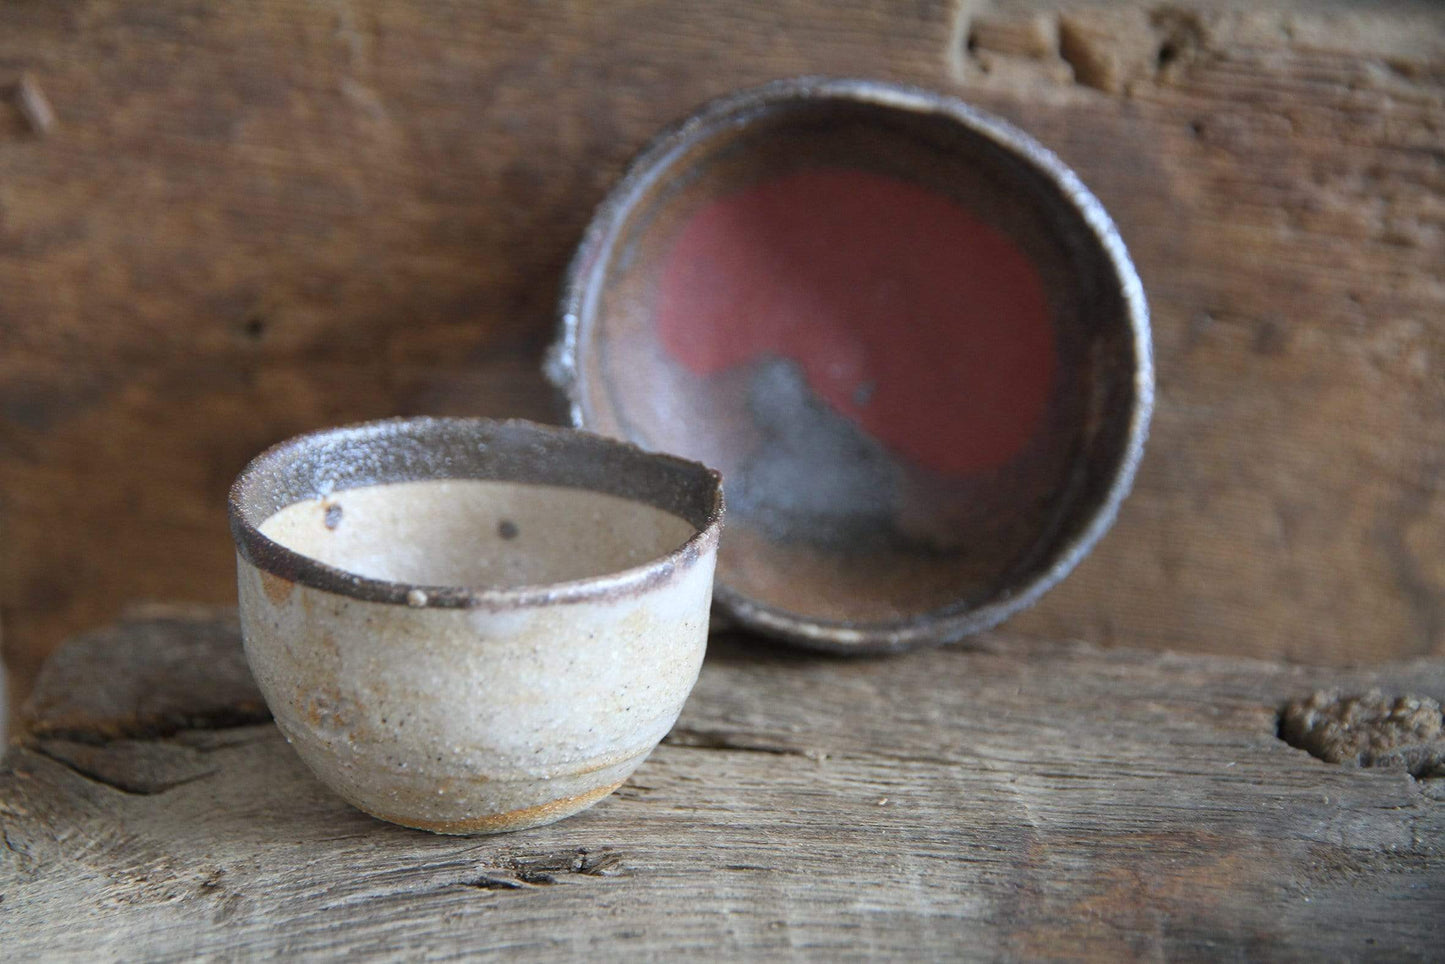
489, 882
155, 728
132, 768
695, 739
525, 874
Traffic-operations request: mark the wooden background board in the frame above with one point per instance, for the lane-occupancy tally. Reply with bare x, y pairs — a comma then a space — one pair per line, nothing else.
1020, 800
251, 219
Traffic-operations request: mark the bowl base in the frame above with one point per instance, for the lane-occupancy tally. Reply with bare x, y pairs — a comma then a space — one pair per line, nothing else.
523, 819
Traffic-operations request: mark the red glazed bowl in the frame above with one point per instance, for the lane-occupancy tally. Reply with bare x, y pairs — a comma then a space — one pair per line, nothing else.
909, 337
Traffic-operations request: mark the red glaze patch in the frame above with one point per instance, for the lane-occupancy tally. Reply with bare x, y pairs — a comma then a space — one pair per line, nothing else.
925, 326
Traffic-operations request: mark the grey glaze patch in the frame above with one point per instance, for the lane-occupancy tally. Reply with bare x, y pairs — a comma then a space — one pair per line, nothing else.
817, 478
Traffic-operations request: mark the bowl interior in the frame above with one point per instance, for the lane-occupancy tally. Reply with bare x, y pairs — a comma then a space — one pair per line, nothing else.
903, 344
471, 508
474, 532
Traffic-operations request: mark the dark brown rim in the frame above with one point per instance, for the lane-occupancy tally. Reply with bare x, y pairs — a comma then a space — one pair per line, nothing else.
656, 160
320, 463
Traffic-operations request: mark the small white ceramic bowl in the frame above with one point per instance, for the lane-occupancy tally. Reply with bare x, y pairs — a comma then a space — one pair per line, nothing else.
469, 626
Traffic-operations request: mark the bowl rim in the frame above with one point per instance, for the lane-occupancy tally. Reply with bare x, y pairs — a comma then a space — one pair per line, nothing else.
586, 271
275, 559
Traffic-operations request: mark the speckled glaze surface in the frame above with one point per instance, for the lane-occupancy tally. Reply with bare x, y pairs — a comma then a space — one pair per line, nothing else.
476, 709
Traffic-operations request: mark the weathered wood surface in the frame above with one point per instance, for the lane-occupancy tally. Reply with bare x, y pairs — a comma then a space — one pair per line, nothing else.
229, 222
1013, 800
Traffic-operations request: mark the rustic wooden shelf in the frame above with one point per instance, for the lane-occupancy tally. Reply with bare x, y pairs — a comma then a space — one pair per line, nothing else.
1021, 797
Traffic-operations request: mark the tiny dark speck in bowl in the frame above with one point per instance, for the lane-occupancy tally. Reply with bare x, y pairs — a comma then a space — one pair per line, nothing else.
507, 529
332, 518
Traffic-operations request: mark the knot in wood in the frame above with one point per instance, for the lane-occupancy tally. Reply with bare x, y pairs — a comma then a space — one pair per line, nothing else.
1369, 730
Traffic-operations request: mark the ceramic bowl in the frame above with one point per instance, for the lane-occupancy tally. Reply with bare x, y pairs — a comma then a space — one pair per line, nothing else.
469, 626
908, 336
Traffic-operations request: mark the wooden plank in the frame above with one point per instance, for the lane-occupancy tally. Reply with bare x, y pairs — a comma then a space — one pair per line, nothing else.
1017, 799
239, 221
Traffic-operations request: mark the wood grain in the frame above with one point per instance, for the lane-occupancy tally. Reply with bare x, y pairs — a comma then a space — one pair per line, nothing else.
238, 221
1012, 800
